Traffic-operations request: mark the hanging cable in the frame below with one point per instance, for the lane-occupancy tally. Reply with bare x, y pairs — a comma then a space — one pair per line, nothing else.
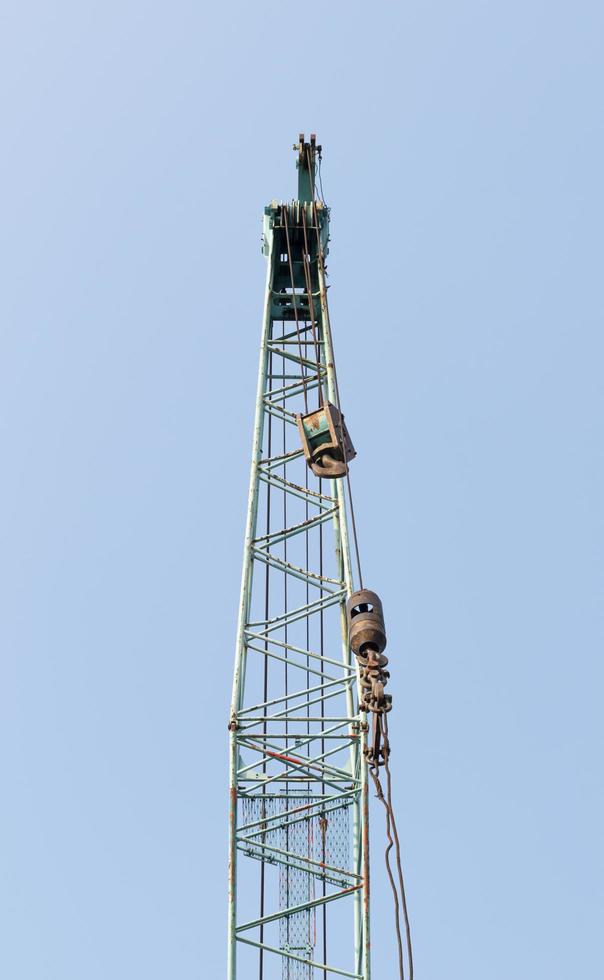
397, 847
321, 261
372, 675
311, 303
397, 925
320, 177
295, 304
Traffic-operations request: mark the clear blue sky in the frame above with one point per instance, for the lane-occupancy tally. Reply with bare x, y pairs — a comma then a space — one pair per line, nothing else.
463, 162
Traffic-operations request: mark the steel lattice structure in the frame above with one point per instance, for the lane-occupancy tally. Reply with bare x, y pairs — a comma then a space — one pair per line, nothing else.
299, 862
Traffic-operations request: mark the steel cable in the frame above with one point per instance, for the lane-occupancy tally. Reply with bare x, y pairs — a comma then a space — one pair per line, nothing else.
311, 304
295, 304
399, 939
397, 847
391, 828
321, 260
320, 177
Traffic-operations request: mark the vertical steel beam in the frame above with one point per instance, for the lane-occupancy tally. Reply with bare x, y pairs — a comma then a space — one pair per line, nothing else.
244, 605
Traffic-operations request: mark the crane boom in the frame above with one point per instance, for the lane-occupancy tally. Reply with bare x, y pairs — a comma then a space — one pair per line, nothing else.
299, 854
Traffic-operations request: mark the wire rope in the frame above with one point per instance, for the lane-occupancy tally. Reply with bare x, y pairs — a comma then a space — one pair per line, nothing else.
311, 303
320, 177
284, 210
399, 939
321, 260
391, 828
397, 847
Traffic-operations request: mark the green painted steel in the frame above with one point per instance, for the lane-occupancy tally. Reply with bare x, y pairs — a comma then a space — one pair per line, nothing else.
298, 780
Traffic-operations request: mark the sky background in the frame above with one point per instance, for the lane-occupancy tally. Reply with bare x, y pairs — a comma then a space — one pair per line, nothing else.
463, 161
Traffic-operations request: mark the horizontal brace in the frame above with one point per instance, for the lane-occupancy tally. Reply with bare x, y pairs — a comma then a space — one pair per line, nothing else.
302, 857
281, 376
290, 663
300, 959
260, 779
305, 740
276, 537
304, 761
303, 327
294, 342
293, 615
296, 694
249, 851
295, 486
285, 714
303, 574
303, 361
308, 497
278, 408
303, 652
297, 795
299, 718
318, 802
263, 829
297, 388
316, 764
296, 737
282, 460
297, 292
278, 415
294, 909
295, 764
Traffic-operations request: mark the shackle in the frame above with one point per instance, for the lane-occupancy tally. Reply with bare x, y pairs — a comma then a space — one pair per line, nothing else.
365, 622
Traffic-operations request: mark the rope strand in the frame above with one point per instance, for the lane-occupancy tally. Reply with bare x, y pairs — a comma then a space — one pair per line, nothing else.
321, 260
295, 306
308, 278
397, 848
397, 914
391, 828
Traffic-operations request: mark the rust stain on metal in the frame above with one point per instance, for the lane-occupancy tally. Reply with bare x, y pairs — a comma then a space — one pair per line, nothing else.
232, 814
285, 758
366, 885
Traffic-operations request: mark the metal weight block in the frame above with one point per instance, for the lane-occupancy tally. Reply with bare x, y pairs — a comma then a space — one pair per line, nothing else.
366, 627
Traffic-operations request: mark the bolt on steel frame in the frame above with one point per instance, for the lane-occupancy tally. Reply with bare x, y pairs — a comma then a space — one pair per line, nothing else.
299, 836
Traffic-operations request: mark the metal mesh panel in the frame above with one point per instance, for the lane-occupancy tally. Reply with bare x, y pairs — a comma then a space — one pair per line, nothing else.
297, 932
323, 837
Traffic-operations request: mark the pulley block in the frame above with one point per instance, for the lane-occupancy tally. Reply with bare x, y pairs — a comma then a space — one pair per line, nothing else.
325, 440
366, 622
367, 635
